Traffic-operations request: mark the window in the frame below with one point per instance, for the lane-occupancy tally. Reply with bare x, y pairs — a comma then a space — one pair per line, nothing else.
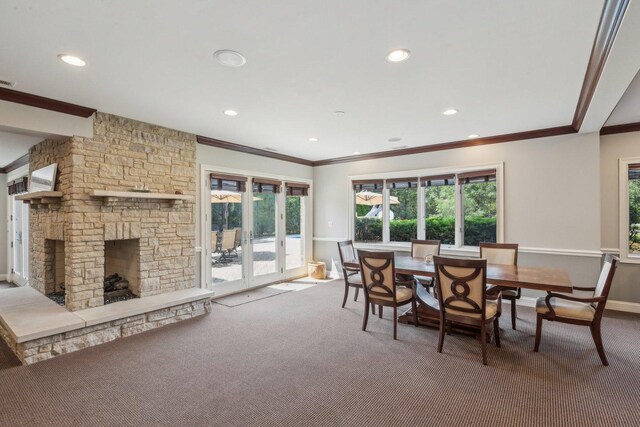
458, 207
630, 210
479, 206
403, 209
368, 210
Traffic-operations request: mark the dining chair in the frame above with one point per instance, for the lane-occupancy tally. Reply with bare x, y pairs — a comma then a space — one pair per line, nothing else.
579, 310
461, 290
421, 249
505, 254
382, 287
352, 277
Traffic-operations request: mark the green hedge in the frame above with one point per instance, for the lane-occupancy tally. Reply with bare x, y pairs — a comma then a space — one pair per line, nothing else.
477, 229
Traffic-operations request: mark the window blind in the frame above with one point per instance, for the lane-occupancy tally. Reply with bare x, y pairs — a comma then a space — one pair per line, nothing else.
265, 185
402, 183
297, 189
368, 184
634, 171
437, 180
228, 182
18, 186
477, 176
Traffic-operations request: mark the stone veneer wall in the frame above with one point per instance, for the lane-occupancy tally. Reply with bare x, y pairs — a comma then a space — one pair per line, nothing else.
48, 347
122, 154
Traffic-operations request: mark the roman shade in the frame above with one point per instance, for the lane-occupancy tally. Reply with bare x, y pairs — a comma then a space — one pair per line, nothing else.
368, 184
477, 176
634, 171
297, 189
402, 183
18, 186
266, 185
437, 180
228, 182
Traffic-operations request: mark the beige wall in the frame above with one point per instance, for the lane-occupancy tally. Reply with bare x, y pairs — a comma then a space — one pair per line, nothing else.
626, 286
4, 220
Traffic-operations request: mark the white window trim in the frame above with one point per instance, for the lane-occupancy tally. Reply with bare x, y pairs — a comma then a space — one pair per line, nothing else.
406, 246
623, 237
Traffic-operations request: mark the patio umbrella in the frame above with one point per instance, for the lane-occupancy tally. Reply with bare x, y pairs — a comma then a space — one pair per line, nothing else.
369, 198
226, 197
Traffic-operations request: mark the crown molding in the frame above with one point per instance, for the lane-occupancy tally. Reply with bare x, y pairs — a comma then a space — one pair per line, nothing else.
610, 20
24, 160
624, 128
45, 103
518, 136
250, 150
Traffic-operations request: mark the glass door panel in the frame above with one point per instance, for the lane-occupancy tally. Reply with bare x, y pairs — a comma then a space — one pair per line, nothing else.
264, 236
295, 232
20, 240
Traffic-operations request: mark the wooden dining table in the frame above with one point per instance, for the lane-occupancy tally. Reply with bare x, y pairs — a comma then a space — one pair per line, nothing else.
514, 276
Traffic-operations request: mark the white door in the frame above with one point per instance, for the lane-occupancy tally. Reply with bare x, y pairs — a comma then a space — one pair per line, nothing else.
20, 242
296, 238
265, 235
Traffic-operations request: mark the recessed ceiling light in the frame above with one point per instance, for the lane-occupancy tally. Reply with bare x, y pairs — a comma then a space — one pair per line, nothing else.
72, 60
398, 55
313, 139
231, 112
474, 135
339, 113
355, 153
395, 139
230, 58
450, 112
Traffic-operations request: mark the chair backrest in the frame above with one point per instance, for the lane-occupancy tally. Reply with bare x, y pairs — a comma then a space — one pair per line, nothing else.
499, 253
422, 248
605, 279
347, 252
238, 239
214, 240
228, 240
461, 285
378, 273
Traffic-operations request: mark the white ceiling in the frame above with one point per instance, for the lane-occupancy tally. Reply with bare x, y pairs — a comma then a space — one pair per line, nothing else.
628, 109
14, 145
506, 66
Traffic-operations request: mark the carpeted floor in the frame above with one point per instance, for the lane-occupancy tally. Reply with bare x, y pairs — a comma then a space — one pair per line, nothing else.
301, 360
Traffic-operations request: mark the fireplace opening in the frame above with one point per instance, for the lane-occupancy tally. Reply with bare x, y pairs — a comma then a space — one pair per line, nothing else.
55, 270
121, 270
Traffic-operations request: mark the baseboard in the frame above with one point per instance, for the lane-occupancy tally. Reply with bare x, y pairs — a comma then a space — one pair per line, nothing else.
3, 277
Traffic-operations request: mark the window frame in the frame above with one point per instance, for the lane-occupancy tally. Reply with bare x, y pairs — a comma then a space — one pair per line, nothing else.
459, 238
623, 201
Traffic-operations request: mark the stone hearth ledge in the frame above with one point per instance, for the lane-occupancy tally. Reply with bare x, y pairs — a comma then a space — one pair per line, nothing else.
36, 328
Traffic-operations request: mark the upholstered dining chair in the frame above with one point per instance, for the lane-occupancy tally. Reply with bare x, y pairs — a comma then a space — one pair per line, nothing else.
421, 249
352, 277
579, 311
461, 290
382, 288
506, 254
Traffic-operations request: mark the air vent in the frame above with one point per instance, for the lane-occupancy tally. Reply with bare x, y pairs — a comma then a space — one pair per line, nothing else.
7, 83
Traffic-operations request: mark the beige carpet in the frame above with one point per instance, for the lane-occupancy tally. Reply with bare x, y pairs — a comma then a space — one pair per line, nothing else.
301, 360
249, 296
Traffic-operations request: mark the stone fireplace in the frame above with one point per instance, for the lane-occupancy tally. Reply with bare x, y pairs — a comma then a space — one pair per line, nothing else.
80, 239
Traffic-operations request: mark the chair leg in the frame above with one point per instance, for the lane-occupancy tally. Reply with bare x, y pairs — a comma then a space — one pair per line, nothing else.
448, 328
366, 316
355, 298
395, 322
483, 339
496, 331
441, 335
380, 311
597, 339
538, 332
414, 308
373, 308
346, 294
513, 314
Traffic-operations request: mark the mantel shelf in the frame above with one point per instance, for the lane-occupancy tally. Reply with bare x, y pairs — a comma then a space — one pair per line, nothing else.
41, 197
111, 196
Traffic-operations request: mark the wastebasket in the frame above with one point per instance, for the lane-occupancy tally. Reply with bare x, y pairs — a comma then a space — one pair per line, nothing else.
317, 269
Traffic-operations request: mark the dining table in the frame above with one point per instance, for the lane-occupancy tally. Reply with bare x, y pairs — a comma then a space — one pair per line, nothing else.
513, 276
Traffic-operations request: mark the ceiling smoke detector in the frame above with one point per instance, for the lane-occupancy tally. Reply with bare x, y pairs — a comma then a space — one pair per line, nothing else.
230, 58
395, 139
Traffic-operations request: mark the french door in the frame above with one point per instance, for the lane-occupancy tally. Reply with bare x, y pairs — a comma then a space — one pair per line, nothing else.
257, 231
19, 242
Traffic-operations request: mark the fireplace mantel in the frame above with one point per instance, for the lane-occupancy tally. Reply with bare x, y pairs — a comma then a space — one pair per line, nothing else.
41, 197
112, 196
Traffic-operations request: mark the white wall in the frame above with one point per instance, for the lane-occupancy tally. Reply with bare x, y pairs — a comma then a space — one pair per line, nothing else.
23, 118
213, 156
551, 197
4, 220
626, 285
